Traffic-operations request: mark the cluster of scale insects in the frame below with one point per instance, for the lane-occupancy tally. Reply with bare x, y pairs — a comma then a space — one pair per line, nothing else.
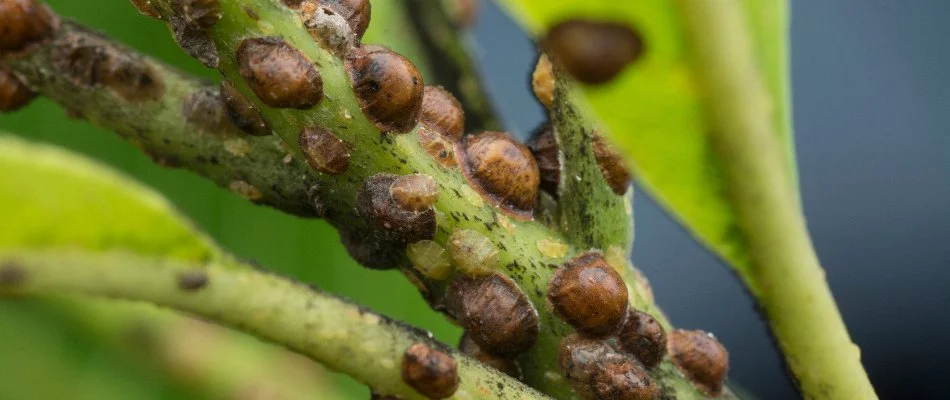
613, 346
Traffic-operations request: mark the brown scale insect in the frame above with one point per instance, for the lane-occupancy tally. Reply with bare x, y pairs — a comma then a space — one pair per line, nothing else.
355, 12
466, 12
90, 61
542, 81
370, 252
440, 148
327, 28
589, 295
388, 87
593, 52
373, 395
392, 222
24, 22
14, 94
324, 151
243, 114
414, 192
701, 358
502, 169
201, 14
644, 337
442, 113
543, 145
205, 109
195, 42
280, 75
506, 365
431, 372
495, 312
611, 165
597, 371
11, 274
146, 8
192, 280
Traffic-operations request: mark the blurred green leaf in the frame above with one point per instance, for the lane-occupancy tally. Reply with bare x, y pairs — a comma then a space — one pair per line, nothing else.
655, 110
55, 199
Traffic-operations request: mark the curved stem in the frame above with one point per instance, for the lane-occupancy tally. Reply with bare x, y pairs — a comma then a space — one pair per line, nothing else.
205, 359
786, 276
342, 336
206, 142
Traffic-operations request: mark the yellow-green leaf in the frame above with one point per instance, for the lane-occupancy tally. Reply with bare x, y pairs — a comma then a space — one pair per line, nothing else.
656, 110
53, 199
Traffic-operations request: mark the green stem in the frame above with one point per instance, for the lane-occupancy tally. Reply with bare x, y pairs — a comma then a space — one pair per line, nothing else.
521, 254
786, 276
343, 336
205, 359
209, 147
608, 224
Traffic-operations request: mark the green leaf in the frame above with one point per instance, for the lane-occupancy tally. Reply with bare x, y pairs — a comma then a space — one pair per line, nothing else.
656, 110
51, 198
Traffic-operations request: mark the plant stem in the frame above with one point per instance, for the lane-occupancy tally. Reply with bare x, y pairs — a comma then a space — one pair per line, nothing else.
786, 276
518, 242
214, 150
205, 359
345, 337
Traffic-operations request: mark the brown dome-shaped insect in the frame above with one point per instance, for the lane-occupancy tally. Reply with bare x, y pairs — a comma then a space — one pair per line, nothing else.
205, 109
329, 29
371, 252
388, 86
506, 365
542, 81
611, 165
91, 61
502, 169
439, 147
195, 41
201, 14
414, 192
442, 113
279, 74
543, 145
146, 8
465, 12
432, 373
597, 371
324, 151
243, 114
642, 336
701, 358
14, 94
624, 380
23, 22
495, 312
394, 223
355, 12
588, 294
594, 52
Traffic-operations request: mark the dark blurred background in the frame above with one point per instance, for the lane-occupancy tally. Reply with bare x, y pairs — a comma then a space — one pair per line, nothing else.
872, 118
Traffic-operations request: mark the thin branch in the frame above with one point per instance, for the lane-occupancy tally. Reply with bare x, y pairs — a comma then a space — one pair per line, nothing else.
202, 358
185, 127
786, 278
345, 337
